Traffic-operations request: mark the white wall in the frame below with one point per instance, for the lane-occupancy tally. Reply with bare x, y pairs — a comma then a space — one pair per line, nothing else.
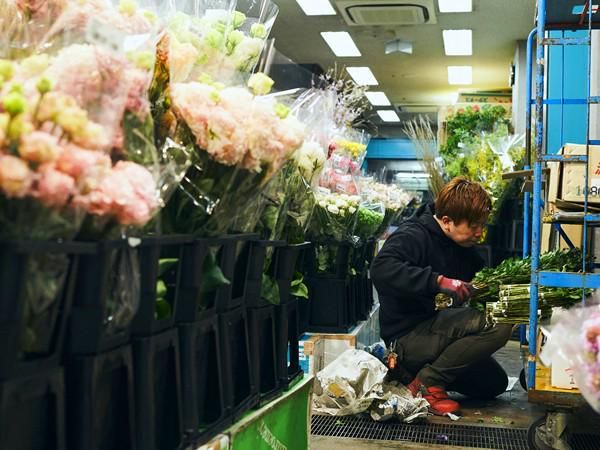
519, 88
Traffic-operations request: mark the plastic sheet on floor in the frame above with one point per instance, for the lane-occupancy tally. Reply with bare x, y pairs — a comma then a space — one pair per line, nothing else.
353, 384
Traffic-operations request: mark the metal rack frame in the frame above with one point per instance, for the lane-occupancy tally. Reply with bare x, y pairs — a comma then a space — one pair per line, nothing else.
563, 18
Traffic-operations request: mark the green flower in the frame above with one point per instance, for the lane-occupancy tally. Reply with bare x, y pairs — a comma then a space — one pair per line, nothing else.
281, 110
127, 7
234, 38
215, 97
261, 84
18, 127
219, 26
17, 87
14, 103
202, 59
7, 69
213, 38
44, 85
238, 19
258, 30
205, 78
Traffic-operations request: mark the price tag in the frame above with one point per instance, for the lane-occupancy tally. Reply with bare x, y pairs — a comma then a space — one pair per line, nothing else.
594, 187
102, 34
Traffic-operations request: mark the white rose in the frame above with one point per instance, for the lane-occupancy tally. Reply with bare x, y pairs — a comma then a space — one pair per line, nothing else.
341, 203
352, 210
333, 209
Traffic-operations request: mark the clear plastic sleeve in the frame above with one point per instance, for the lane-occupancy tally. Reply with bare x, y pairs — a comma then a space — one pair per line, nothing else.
575, 336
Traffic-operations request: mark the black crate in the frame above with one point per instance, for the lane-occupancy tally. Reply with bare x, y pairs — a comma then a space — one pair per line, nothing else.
32, 412
161, 259
303, 314
339, 257
100, 401
236, 268
204, 413
290, 259
37, 280
240, 392
263, 259
331, 304
158, 395
197, 297
107, 297
288, 333
263, 351
362, 303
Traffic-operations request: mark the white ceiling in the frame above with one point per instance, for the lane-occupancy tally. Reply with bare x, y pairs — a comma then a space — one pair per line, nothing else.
420, 78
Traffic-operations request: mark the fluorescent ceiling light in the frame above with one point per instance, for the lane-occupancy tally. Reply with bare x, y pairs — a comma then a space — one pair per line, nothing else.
362, 76
388, 115
460, 74
341, 43
378, 98
458, 42
316, 7
454, 6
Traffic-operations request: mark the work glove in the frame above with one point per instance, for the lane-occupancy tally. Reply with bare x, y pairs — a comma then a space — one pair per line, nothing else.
459, 291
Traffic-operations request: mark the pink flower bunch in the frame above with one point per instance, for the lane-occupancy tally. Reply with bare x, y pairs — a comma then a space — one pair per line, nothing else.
236, 128
591, 345
126, 192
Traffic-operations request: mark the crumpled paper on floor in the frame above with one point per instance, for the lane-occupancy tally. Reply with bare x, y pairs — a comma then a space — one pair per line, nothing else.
353, 384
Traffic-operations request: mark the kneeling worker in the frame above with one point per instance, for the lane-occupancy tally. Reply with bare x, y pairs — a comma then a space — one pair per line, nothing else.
433, 252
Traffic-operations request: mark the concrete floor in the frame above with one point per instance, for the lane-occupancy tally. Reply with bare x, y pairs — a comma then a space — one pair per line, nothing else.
510, 410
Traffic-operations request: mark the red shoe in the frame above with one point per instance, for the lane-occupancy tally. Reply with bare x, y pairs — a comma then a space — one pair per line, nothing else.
437, 397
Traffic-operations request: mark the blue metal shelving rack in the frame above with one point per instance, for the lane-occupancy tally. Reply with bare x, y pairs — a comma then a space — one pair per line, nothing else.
552, 15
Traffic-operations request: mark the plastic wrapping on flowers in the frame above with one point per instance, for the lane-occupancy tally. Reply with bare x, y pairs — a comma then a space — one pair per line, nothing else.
394, 200
575, 336
240, 141
332, 224
76, 141
220, 38
346, 154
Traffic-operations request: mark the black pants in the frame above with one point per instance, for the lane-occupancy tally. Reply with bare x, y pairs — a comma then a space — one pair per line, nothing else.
453, 350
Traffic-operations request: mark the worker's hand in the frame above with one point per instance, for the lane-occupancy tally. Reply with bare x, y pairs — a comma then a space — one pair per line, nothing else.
459, 291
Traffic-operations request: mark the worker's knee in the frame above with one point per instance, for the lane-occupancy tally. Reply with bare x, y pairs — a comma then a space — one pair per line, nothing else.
459, 322
500, 334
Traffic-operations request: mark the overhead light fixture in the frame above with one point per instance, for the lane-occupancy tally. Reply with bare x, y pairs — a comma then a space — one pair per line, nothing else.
378, 98
458, 42
341, 43
455, 6
316, 7
398, 46
460, 75
388, 115
362, 76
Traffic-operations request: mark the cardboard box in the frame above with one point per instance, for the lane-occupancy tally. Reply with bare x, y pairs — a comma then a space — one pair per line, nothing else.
311, 354
561, 375
572, 183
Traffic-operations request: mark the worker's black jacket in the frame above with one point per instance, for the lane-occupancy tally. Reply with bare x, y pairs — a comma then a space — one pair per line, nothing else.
406, 269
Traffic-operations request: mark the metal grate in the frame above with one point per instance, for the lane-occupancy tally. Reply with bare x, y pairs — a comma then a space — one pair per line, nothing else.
426, 433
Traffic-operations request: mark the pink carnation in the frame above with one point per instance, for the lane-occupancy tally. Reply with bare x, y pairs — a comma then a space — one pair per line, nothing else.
54, 188
128, 192
15, 176
76, 161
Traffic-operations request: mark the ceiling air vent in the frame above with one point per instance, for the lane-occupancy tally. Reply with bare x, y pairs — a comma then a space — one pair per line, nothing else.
387, 12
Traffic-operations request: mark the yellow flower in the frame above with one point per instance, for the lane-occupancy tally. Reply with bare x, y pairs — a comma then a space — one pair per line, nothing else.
72, 120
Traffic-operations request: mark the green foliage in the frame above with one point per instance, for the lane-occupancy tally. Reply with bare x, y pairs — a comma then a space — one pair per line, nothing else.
298, 288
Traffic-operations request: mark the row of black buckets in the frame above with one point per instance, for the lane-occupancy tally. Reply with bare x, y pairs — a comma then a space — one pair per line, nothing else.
152, 343
342, 295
